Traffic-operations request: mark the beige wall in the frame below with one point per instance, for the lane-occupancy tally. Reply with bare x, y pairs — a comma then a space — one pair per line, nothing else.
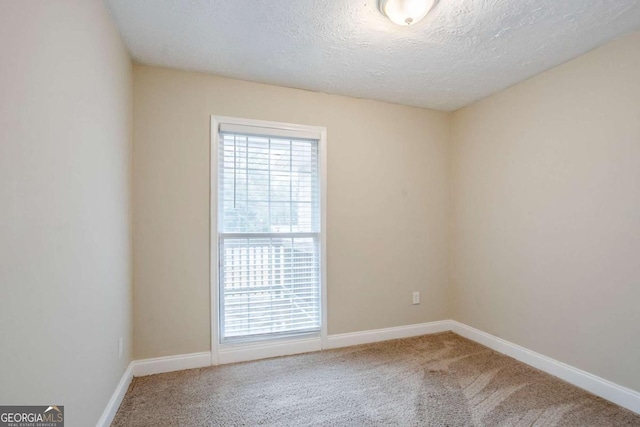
65, 142
546, 196
387, 204
544, 181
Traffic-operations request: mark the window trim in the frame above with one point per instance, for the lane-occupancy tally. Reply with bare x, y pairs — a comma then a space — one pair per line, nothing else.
287, 344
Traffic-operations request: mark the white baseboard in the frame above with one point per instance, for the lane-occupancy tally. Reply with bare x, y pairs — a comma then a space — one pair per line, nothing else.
263, 350
377, 335
116, 398
179, 362
254, 351
608, 390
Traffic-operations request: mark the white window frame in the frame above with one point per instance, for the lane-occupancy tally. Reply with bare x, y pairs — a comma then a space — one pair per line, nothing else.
280, 346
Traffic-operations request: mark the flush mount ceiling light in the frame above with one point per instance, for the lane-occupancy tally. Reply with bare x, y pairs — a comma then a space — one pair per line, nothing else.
405, 12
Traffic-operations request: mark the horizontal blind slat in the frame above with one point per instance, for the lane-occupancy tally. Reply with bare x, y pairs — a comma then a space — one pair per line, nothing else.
276, 132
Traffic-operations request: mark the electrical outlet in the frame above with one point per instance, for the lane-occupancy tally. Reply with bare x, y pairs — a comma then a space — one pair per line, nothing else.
120, 347
416, 298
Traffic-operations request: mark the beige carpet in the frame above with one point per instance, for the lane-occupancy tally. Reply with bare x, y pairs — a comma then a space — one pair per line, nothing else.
433, 380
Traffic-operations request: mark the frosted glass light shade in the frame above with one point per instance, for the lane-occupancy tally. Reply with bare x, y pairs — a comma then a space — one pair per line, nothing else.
406, 12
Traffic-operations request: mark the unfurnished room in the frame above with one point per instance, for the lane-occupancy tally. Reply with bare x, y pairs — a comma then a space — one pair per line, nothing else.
319, 213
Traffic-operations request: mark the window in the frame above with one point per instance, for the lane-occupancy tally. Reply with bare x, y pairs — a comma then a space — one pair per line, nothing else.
269, 231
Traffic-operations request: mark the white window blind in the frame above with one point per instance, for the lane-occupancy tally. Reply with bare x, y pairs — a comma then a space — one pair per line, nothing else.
269, 233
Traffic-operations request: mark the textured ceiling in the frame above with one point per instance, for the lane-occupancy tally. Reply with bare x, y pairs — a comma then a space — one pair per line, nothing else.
464, 50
